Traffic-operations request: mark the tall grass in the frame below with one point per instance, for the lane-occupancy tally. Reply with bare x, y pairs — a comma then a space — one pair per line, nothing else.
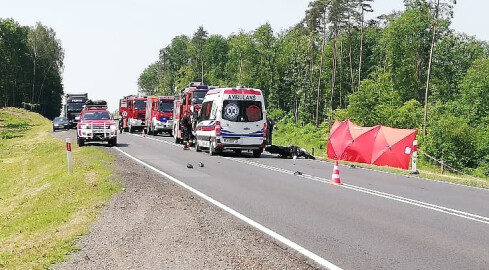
43, 208
307, 137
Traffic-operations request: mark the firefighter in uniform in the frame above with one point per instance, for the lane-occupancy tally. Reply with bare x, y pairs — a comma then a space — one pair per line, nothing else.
187, 128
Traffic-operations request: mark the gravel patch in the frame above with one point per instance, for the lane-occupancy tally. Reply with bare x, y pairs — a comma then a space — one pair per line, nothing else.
156, 224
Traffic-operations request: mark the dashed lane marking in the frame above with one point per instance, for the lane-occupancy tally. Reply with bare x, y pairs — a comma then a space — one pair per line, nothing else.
422, 204
434, 207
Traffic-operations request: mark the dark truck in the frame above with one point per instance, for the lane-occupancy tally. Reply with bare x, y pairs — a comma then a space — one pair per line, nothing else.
73, 105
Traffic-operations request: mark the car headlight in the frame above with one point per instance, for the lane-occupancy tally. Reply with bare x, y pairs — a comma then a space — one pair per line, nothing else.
113, 128
77, 117
85, 126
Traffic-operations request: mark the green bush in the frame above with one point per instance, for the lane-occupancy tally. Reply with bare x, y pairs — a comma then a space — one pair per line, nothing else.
452, 140
276, 115
307, 136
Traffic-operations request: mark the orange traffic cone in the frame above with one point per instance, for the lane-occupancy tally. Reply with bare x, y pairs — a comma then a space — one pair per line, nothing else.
335, 178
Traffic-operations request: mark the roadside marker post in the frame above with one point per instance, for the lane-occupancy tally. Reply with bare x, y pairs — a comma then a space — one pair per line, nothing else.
68, 155
414, 158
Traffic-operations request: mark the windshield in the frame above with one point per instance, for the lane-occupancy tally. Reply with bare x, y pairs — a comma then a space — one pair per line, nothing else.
199, 96
139, 104
75, 106
96, 116
242, 111
166, 106
60, 120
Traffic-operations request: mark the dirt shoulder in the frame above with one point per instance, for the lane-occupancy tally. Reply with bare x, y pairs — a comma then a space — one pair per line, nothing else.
156, 224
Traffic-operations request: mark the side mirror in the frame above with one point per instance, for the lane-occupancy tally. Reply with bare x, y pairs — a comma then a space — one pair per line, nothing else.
194, 100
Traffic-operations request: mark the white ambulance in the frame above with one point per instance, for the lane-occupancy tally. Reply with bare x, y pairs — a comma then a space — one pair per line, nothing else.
232, 118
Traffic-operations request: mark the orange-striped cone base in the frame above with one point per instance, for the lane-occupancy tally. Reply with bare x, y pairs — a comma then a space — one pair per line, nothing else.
335, 178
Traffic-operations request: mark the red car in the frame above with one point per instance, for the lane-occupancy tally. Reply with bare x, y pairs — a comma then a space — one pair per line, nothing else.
96, 124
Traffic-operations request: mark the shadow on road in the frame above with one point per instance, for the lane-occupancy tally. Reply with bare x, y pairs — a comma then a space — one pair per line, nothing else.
246, 154
122, 145
104, 144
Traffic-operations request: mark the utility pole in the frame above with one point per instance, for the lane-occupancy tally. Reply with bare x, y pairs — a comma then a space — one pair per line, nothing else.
429, 68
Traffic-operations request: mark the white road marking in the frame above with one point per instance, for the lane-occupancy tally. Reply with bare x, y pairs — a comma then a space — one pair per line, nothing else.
411, 176
379, 171
154, 139
421, 204
258, 226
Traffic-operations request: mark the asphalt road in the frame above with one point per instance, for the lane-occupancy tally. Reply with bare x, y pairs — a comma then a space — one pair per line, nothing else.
373, 220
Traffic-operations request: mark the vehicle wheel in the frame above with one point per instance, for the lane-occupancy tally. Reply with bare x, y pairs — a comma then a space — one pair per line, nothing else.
197, 147
113, 142
131, 129
237, 151
257, 153
54, 130
170, 133
80, 142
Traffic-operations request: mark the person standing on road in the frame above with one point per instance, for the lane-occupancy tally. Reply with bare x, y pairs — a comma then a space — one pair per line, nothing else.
270, 125
187, 128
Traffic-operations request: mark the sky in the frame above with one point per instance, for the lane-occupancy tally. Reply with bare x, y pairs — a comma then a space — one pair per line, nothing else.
108, 43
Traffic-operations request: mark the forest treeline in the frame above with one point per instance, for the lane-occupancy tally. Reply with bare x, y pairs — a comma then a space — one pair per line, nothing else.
31, 64
407, 69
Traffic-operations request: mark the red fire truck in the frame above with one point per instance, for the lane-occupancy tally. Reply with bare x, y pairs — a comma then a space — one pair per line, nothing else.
187, 103
132, 110
159, 114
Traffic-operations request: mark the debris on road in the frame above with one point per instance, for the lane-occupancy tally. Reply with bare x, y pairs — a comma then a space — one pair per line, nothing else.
149, 229
290, 151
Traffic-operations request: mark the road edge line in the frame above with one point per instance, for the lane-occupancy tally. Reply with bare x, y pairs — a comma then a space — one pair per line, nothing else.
316, 258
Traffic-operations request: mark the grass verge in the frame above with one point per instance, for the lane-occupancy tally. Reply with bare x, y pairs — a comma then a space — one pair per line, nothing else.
43, 208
